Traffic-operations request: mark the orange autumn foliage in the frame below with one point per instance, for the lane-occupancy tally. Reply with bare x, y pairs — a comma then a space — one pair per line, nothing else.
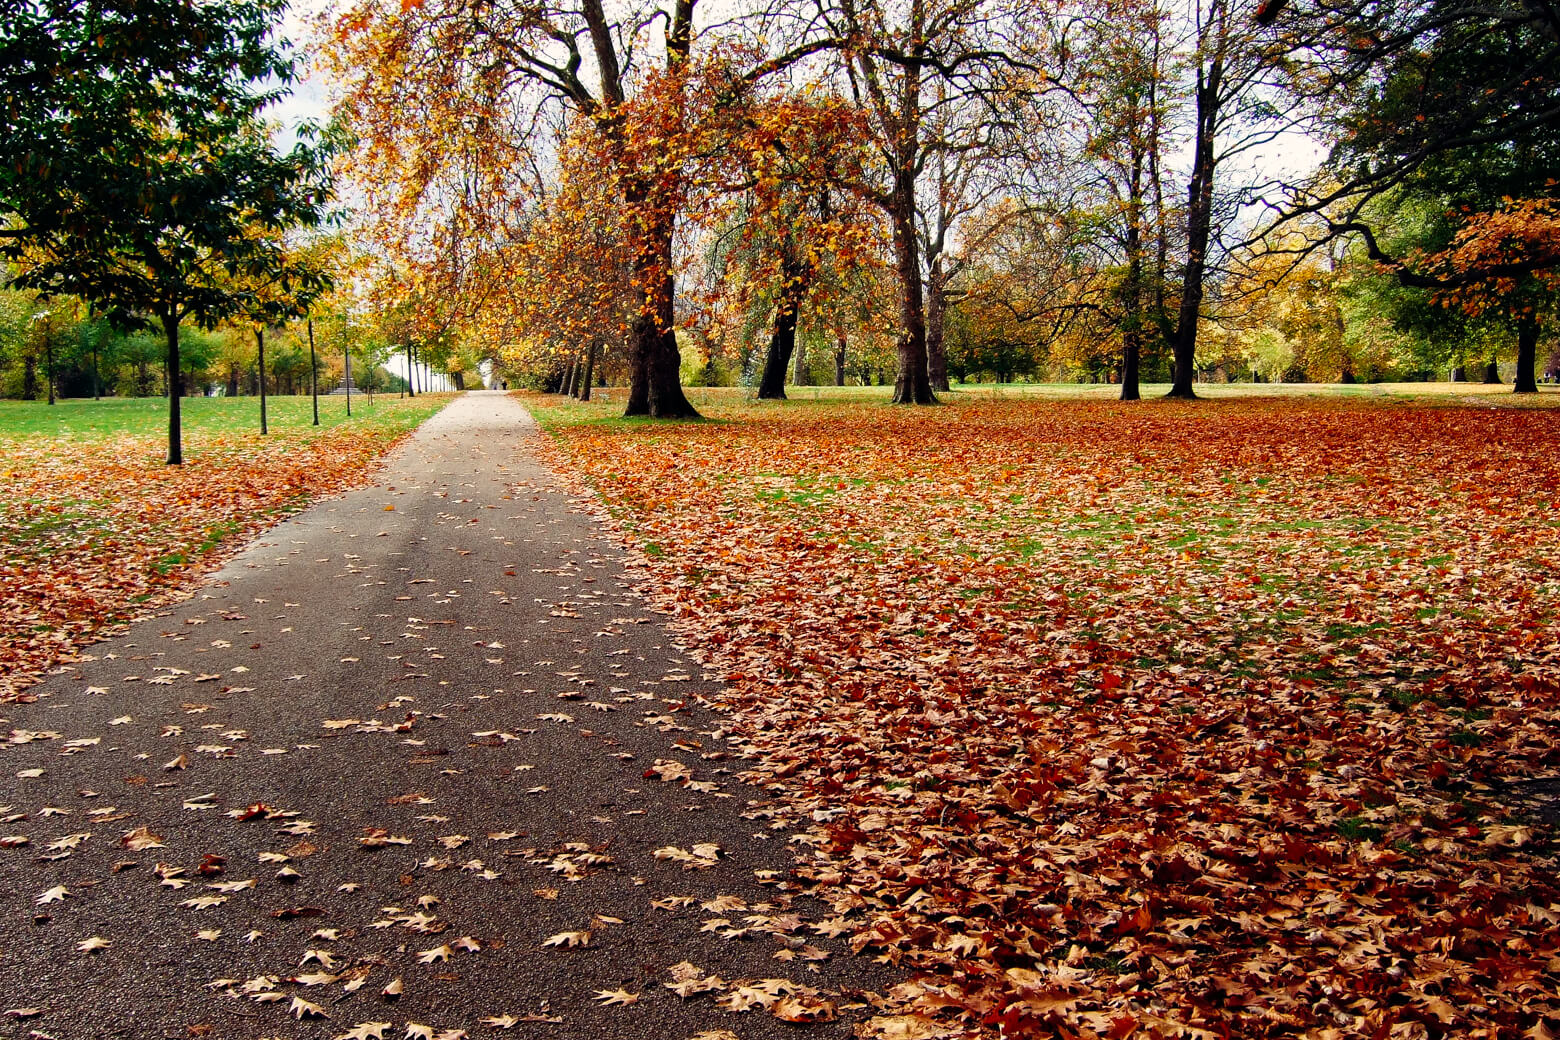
1111, 721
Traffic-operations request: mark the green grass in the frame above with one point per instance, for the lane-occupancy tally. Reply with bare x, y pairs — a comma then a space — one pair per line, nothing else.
148, 416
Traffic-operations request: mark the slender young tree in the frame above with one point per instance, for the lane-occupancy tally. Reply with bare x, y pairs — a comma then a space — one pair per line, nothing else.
137, 168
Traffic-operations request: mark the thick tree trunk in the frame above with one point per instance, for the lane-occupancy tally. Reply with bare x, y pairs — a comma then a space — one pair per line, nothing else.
1346, 377
1491, 373
839, 362
1527, 356
1459, 374
175, 424
1199, 222
460, 381
782, 339
799, 374
590, 368
911, 384
936, 308
655, 365
1131, 348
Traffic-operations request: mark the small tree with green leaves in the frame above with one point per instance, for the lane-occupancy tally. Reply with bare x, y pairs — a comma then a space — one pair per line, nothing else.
137, 168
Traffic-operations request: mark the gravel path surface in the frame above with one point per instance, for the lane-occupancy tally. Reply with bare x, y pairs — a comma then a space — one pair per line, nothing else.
418, 758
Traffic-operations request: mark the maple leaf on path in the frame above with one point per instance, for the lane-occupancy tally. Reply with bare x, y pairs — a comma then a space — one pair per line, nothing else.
568, 939
615, 997
300, 1009
438, 953
365, 1031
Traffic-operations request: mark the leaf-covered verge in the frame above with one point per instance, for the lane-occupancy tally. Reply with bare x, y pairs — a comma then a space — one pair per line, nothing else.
1214, 719
95, 528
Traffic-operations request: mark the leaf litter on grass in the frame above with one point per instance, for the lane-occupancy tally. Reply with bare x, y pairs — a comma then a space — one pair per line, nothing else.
1161, 720
93, 529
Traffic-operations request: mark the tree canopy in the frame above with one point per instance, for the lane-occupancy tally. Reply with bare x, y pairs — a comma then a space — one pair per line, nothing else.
137, 168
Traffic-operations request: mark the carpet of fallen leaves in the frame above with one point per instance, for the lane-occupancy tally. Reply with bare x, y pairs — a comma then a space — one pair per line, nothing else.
1208, 720
95, 529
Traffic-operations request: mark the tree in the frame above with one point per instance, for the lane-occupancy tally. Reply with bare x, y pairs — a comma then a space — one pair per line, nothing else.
474, 71
1102, 171
789, 237
146, 184
1239, 71
1454, 101
921, 71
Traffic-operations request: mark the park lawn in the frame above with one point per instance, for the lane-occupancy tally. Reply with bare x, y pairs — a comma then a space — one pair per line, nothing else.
95, 528
1229, 718
85, 419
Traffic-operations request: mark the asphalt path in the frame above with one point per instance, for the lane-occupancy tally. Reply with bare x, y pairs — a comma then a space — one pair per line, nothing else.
418, 761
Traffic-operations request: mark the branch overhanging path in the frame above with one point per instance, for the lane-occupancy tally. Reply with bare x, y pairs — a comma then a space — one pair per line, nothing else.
418, 757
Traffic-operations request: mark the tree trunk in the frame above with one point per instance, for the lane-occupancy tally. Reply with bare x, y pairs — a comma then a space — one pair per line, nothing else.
314, 375
1491, 373
48, 347
411, 371
460, 381
936, 308
1132, 303
567, 379
1131, 348
1527, 356
590, 368
1459, 374
29, 378
1199, 222
782, 340
839, 362
260, 345
175, 424
799, 374
1346, 377
655, 365
911, 385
